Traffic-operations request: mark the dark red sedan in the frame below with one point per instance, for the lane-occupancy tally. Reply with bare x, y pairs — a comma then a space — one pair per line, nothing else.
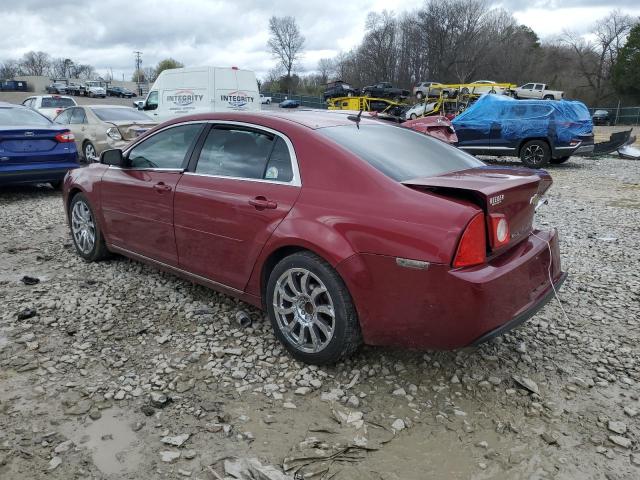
345, 230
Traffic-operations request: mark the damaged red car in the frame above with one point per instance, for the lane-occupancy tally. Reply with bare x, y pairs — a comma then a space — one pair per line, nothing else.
345, 230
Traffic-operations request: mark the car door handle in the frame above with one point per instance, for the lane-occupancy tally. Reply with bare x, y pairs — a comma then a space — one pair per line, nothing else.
161, 187
261, 203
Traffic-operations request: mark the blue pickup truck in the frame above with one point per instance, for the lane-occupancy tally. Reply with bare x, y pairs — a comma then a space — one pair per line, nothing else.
538, 131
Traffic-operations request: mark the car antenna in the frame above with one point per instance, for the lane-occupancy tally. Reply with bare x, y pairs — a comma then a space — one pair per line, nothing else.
356, 118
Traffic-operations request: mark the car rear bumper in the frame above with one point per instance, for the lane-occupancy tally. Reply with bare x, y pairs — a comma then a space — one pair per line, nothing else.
444, 308
38, 172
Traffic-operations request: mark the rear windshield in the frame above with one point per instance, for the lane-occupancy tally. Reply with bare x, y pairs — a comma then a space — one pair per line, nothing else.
400, 153
22, 116
57, 102
120, 114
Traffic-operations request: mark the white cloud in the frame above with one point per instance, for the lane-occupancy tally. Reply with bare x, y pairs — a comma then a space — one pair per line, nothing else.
203, 32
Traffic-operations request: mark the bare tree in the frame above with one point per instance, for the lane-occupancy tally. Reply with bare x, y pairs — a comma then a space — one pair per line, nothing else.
326, 69
62, 67
83, 71
9, 69
596, 58
285, 42
35, 63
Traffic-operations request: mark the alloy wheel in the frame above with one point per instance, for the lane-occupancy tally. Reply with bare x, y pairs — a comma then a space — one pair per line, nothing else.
83, 227
304, 310
90, 154
534, 154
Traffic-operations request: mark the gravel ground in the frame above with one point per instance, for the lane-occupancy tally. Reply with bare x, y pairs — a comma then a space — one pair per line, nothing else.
122, 372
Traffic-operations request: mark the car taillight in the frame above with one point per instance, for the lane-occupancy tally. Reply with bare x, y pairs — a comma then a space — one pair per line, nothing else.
472, 249
65, 137
498, 230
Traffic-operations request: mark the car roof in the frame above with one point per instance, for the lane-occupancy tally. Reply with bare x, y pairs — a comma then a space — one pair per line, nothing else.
312, 119
51, 96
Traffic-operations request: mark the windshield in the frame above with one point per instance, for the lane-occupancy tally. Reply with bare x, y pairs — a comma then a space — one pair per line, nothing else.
400, 153
57, 102
22, 116
120, 114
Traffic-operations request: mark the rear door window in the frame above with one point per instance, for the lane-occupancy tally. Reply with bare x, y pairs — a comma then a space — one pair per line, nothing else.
246, 154
237, 153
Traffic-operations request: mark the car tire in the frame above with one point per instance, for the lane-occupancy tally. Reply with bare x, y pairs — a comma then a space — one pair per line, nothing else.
268, 102
548, 97
535, 154
419, 95
85, 231
464, 91
558, 161
89, 150
413, 116
306, 294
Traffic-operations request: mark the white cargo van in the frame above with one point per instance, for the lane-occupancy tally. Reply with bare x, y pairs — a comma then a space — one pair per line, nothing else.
187, 91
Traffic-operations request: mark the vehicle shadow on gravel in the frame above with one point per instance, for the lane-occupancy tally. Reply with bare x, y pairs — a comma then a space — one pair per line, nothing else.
22, 192
577, 163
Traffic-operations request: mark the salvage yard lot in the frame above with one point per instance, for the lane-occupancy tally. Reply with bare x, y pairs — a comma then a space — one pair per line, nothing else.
556, 398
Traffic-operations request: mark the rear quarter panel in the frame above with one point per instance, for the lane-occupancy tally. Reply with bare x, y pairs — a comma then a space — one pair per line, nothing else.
347, 207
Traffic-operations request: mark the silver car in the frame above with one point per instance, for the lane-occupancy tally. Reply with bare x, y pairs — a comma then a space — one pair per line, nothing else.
101, 127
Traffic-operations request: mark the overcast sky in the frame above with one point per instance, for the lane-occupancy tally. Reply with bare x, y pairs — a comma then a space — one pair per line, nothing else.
234, 32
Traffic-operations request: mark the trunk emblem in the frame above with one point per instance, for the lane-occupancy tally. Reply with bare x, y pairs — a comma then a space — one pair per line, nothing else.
496, 200
29, 134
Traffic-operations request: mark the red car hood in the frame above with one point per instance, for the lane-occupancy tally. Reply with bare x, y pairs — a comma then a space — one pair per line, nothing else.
436, 126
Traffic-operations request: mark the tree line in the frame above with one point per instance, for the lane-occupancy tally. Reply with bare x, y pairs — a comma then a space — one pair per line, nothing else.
42, 64
458, 41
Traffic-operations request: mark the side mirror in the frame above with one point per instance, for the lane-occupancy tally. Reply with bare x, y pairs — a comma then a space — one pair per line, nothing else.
113, 157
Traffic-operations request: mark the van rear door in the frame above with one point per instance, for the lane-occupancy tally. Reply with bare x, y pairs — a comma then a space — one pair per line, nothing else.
235, 90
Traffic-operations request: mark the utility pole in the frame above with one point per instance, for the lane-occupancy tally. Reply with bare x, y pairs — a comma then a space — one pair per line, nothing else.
138, 63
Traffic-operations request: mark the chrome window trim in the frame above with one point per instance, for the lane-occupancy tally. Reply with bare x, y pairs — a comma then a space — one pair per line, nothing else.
296, 181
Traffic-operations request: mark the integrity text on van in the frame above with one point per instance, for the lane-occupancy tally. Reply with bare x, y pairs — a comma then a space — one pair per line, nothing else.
186, 91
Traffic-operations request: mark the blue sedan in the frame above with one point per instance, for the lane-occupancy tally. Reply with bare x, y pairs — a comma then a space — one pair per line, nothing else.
289, 104
32, 148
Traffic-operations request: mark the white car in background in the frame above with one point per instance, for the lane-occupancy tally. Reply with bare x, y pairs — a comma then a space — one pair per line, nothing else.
49, 105
419, 110
265, 100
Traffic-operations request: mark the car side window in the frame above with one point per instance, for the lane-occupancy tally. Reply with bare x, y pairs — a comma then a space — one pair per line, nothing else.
152, 101
229, 152
64, 117
279, 166
538, 86
166, 149
78, 116
528, 86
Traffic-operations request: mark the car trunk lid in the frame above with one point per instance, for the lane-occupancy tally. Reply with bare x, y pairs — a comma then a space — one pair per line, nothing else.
25, 145
511, 192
